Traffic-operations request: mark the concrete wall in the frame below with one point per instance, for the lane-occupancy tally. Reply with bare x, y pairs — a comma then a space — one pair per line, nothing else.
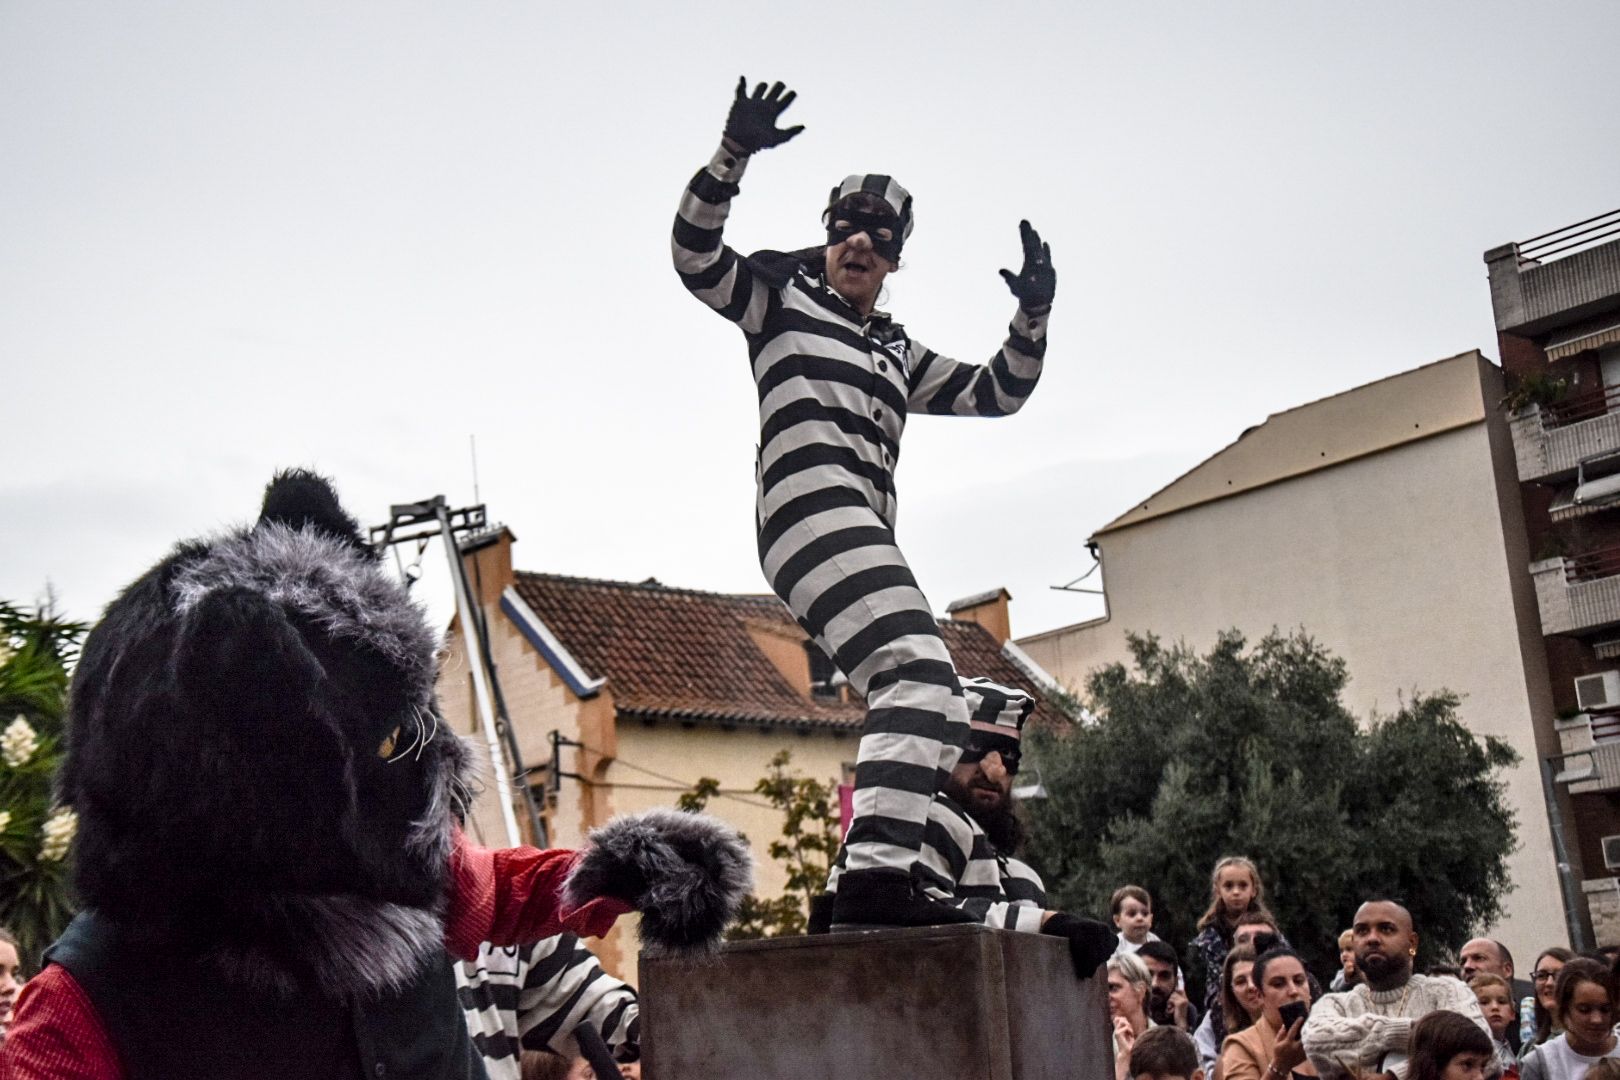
1397, 562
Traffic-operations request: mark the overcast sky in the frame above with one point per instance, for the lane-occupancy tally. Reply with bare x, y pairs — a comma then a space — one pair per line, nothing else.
242, 235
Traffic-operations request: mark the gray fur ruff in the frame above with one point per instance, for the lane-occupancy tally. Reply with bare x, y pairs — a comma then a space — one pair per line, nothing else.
355, 949
688, 872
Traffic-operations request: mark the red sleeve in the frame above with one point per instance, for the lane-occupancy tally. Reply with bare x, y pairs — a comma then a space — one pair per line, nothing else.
55, 1034
513, 896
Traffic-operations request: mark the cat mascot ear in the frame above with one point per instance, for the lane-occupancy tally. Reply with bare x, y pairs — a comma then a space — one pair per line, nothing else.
298, 498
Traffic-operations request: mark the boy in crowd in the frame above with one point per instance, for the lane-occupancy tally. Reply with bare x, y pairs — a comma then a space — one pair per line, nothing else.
1164, 1053
1495, 997
1132, 909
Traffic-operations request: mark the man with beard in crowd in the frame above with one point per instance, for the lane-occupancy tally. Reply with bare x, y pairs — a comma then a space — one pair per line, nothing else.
1366, 1028
1169, 1006
968, 857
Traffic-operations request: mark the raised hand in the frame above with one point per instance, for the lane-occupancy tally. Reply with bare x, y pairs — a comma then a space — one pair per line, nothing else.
1035, 284
1289, 1052
751, 124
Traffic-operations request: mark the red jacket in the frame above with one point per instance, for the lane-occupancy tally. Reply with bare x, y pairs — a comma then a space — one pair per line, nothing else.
508, 896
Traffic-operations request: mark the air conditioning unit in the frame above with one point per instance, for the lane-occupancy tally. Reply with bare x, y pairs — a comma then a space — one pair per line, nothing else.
1611, 852
1598, 691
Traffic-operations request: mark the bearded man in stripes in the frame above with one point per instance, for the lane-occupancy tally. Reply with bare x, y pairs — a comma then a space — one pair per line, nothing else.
836, 378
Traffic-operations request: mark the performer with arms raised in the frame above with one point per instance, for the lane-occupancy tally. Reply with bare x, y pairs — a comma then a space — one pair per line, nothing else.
836, 379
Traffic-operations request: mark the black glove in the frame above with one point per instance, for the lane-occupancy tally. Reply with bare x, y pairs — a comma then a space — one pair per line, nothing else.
1037, 281
751, 124
1090, 942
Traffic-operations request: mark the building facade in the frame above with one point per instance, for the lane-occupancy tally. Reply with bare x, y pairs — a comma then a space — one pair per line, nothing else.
1556, 300
1385, 522
622, 695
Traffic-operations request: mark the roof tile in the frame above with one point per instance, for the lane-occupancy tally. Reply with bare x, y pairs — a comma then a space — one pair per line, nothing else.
685, 654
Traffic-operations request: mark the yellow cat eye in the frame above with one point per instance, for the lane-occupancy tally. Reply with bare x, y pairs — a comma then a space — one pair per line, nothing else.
387, 748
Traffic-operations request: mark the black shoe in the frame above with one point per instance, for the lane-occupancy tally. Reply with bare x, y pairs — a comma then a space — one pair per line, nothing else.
821, 913
871, 899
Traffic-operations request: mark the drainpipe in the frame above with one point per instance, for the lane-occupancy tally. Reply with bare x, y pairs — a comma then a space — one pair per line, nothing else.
1566, 873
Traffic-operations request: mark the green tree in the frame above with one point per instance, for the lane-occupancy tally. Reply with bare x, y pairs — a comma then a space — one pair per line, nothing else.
806, 848
1188, 758
37, 650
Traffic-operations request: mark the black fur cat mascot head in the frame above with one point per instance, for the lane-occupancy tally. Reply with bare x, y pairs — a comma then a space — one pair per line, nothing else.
265, 789
255, 756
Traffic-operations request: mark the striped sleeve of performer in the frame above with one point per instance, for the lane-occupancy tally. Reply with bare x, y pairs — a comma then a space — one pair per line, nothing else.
948, 387
956, 866
710, 269
1022, 884
564, 987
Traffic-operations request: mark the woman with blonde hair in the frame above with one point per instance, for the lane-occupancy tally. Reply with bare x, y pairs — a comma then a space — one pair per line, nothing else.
1128, 987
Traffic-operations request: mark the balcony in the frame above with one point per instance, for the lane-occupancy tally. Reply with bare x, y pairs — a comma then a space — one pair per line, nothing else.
1556, 278
1586, 766
1578, 595
1551, 441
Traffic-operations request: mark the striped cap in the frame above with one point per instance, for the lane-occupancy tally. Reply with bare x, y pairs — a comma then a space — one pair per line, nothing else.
996, 709
885, 188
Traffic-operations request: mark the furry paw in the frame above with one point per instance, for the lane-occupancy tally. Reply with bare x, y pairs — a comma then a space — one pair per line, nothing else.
685, 873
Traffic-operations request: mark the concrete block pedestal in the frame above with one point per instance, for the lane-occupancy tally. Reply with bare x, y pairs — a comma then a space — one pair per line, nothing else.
946, 1003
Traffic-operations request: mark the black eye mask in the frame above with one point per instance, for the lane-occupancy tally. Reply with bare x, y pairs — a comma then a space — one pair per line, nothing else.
845, 223
981, 743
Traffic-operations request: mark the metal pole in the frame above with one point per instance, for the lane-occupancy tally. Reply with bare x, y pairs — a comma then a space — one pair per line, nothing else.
1566, 873
475, 661
503, 721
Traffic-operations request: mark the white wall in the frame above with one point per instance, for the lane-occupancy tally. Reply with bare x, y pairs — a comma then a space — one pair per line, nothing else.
1397, 563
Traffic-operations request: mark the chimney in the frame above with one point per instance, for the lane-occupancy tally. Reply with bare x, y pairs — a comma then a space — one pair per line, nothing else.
988, 609
488, 558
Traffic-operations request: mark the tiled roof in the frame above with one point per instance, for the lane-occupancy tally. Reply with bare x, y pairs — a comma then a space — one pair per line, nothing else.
684, 654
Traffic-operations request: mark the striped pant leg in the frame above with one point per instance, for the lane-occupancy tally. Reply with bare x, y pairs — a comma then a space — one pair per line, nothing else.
833, 561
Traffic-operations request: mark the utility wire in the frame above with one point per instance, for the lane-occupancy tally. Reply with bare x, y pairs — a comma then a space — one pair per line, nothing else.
683, 784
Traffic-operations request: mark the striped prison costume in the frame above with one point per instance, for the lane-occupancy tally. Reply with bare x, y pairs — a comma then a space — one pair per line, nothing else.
532, 997
834, 390
959, 866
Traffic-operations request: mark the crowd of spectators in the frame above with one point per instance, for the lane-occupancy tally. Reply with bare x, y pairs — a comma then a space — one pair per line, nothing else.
1237, 1002
1264, 1016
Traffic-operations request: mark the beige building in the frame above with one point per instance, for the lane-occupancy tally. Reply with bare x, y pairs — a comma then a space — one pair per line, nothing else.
649, 688
1385, 521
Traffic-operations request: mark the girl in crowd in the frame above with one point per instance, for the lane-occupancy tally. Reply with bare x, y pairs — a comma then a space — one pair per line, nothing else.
1583, 1008
11, 979
1543, 977
1271, 1048
1128, 987
1449, 1046
1234, 891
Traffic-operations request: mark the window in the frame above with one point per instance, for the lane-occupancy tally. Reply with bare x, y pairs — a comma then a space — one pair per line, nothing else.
825, 678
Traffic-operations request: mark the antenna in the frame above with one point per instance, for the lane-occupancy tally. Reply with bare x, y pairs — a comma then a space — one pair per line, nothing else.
419, 522
472, 441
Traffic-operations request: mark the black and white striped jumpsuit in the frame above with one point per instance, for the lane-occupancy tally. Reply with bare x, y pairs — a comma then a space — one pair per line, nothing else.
834, 389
